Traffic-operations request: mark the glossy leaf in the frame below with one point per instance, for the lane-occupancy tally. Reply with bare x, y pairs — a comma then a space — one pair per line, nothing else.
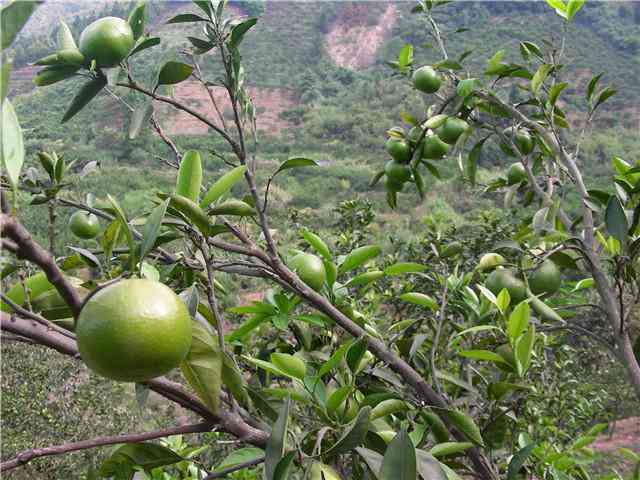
174, 72
524, 349
449, 448
518, 460
239, 31
335, 359
13, 17
139, 118
404, 267
466, 425
187, 18
296, 162
87, 93
223, 185
144, 44
616, 220
365, 278
372, 458
65, 39
277, 441
420, 299
124, 224
539, 77
429, 468
518, 320
189, 176
136, 20
358, 257
483, 355
152, 228
239, 457
399, 461
203, 367
317, 244
145, 455
284, 466
289, 364
12, 144
353, 436
573, 7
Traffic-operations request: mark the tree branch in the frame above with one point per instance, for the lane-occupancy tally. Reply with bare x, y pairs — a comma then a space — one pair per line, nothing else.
223, 473
30, 250
28, 455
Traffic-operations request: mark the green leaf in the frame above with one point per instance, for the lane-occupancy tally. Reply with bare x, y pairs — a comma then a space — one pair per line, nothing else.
365, 278
12, 144
189, 178
136, 20
144, 44
5, 74
239, 457
573, 7
139, 118
233, 207
476, 329
317, 244
124, 225
266, 366
449, 448
335, 359
223, 185
174, 72
518, 320
13, 17
205, 5
524, 349
187, 18
202, 46
539, 77
297, 162
466, 87
359, 257
559, 7
65, 37
516, 463
353, 436
202, 367
471, 166
429, 468
87, 257
152, 228
503, 300
404, 267
604, 95
420, 299
399, 462
466, 425
616, 220
238, 32
405, 57
592, 85
372, 458
145, 455
277, 441
483, 355
284, 466
555, 92
337, 398
87, 93
289, 364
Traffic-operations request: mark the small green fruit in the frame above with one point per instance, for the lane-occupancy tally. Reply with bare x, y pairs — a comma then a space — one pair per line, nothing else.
426, 79
434, 148
310, 269
516, 173
399, 150
399, 172
451, 129
489, 261
502, 278
84, 225
546, 279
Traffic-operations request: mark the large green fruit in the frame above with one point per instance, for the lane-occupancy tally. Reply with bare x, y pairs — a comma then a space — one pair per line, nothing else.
107, 41
502, 278
434, 148
426, 79
521, 138
134, 330
545, 279
84, 225
310, 269
451, 129
398, 149
392, 185
489, 261
399, 172
516, 173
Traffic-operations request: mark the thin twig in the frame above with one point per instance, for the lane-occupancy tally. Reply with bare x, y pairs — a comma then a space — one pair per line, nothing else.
223, 473
35, 317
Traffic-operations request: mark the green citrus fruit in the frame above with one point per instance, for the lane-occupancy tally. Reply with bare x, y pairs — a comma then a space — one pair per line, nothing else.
451, 129
107, 41
434, 148
516, 173
310, 269
399, 172
84, 225
426, 80
545, 279
133, 330
399, 150
502, 278
489, 261
393, 185
521, 138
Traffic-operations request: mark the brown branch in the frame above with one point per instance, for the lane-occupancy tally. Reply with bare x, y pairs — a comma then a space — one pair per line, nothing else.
35, 317
28, 455
209, 92
156, 126
4, 203
223, 473
30, 250
229, 422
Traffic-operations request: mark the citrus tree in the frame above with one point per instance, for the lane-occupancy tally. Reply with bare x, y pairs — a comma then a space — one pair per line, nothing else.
318, 380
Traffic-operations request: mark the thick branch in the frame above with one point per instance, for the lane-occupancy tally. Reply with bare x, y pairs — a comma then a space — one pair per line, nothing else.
28, 455
229, 422
30, 250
